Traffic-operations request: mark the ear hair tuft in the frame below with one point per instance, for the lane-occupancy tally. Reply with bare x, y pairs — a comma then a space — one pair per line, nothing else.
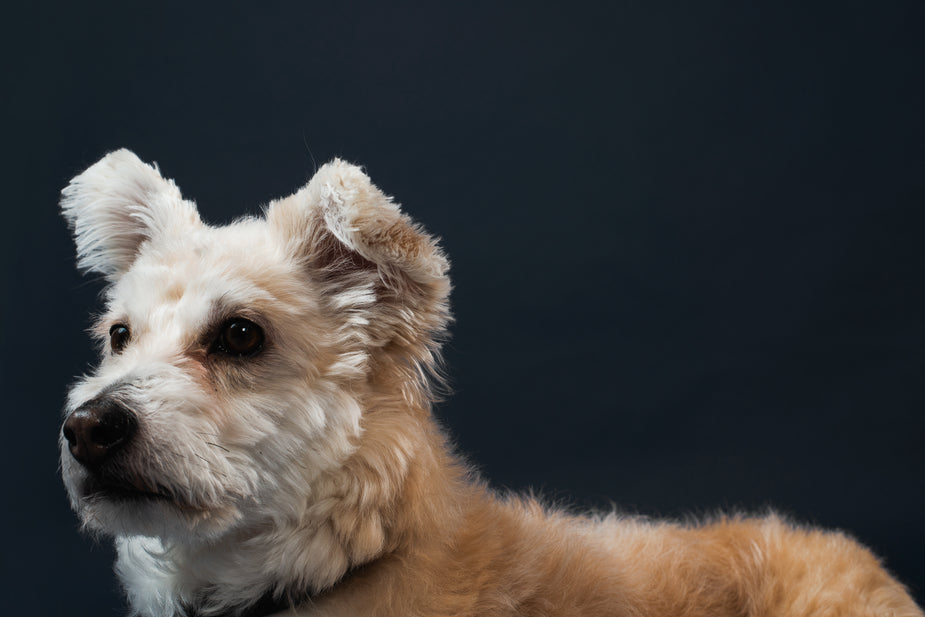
117, 204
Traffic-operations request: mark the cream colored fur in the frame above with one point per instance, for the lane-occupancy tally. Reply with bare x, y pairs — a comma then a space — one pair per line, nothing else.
314, 470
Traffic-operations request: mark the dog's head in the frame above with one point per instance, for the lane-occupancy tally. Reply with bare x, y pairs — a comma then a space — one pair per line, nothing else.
235, 360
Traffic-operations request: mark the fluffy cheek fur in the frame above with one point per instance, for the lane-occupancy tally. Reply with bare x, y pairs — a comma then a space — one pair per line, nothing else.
223, 457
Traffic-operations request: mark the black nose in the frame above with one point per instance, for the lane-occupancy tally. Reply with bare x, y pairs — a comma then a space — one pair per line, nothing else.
98, 428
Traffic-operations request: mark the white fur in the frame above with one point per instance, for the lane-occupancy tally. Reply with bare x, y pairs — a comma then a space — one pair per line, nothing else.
245, 459
117, 204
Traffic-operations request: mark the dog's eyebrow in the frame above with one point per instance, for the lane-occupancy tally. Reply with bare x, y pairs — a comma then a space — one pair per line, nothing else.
226, 306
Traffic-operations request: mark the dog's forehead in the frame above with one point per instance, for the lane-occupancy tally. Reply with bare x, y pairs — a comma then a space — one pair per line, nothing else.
234, 264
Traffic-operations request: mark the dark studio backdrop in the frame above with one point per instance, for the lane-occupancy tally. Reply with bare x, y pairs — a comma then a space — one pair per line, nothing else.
686, 237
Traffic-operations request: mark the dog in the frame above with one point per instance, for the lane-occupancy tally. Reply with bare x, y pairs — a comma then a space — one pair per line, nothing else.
258, 437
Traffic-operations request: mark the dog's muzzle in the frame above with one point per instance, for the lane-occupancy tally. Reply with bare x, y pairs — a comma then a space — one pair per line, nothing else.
97, 429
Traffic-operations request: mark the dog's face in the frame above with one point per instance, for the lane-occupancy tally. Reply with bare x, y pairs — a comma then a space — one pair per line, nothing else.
235, 360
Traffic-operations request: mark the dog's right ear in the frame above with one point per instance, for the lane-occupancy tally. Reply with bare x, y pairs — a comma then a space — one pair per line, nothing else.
116, 205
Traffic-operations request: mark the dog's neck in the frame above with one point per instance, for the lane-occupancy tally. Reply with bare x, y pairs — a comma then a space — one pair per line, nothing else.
267, 605
381, 502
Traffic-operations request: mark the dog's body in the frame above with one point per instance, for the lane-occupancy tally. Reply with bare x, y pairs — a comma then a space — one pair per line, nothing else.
260, 427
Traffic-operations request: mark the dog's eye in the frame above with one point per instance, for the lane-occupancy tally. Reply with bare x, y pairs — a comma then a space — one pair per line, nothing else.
240, 337
119, 336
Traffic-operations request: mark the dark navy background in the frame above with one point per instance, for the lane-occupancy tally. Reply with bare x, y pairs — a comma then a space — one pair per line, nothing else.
686, 237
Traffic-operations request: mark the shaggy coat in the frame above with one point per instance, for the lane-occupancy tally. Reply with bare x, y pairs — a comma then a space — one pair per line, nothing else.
307, 473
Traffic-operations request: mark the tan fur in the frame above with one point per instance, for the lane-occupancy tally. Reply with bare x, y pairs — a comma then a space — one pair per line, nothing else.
315, 468
436, 542
452, 547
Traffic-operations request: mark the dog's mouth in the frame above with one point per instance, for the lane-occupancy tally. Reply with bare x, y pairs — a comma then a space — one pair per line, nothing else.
125, 490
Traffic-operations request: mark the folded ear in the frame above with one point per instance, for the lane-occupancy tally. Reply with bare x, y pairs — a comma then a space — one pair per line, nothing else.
117, 204
361, 248
340, 215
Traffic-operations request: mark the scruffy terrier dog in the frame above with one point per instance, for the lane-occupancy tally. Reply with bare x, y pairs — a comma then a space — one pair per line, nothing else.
258, 437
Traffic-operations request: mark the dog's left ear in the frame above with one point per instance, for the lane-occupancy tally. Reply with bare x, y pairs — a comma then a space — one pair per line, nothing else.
115, 206
357, 242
